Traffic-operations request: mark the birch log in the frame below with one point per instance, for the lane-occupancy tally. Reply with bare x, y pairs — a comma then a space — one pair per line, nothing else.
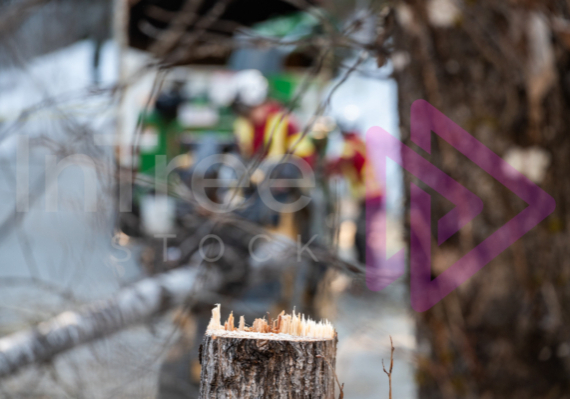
133, 304
289, 358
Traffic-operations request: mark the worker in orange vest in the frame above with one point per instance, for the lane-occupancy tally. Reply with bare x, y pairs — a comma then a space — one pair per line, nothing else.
364, 187
264, 127
264, 130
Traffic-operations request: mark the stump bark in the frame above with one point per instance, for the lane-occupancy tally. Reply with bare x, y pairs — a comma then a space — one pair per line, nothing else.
249, 364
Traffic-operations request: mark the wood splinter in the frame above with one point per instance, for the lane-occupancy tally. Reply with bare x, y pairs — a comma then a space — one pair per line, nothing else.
289, 357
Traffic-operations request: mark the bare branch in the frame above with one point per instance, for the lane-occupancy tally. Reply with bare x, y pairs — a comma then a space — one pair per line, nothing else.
13, 15
69, 329
389, 373
171, 37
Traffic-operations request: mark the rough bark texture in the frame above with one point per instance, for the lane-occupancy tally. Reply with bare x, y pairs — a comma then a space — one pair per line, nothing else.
259, 368
501, 71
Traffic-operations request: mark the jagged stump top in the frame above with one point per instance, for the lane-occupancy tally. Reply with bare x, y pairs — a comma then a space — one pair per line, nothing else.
294, 327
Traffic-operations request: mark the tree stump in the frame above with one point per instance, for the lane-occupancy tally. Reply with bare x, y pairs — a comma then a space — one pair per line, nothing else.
290, 357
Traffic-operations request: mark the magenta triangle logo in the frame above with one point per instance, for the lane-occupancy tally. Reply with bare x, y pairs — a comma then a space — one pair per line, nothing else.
426, 292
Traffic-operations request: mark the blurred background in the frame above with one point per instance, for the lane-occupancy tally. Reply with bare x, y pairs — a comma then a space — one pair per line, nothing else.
139, 139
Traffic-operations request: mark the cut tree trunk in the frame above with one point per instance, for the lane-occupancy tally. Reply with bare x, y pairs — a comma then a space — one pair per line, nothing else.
266, 368
254, 363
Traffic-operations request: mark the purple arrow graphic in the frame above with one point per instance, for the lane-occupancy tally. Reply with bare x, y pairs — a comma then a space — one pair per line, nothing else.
381, 272
425, 292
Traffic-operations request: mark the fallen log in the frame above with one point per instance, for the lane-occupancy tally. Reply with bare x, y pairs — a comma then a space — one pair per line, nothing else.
288, 358
69, 329
134, 304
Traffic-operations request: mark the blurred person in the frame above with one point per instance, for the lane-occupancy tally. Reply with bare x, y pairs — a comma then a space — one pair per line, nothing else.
354, 166
265, 129
264, 124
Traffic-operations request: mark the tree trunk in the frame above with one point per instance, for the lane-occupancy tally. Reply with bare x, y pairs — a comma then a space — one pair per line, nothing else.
500, 71
264, 363
262, 368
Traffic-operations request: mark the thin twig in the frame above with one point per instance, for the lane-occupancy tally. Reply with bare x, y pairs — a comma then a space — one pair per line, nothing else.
389, 373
